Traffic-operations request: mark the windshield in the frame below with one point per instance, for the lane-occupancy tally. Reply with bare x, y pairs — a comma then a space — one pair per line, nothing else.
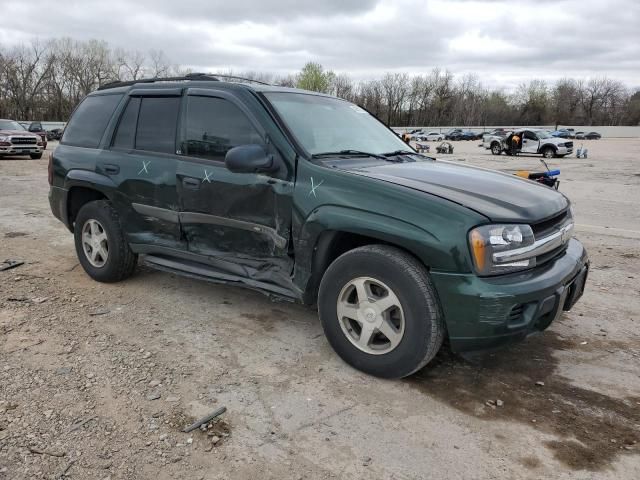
543, 134
10, 125
325, 124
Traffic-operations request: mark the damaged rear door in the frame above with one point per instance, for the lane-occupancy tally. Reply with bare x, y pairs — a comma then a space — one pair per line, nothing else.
240, 222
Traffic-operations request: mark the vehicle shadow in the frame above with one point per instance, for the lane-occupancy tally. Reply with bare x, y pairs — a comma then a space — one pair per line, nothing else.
520, 384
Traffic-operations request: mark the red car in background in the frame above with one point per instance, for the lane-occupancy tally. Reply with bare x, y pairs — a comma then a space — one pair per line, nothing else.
16, 140
36, 127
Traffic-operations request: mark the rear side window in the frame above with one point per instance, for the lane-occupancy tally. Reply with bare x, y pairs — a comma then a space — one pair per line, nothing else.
214, 126
126, 132
157, 123
87, 125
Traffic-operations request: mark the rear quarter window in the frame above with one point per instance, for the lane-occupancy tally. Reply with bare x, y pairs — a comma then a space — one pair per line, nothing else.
87, 125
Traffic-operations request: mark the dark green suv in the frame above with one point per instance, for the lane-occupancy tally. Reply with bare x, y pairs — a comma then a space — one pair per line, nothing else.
309, 197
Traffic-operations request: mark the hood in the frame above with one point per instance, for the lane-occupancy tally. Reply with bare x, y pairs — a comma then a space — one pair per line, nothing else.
498, 196
555, 140
17, 132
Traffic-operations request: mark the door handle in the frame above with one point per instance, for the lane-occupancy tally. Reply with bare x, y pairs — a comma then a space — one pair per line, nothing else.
111, 169
189, 182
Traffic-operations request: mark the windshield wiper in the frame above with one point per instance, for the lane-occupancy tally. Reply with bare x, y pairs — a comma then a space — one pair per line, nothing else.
400, 152
353, 153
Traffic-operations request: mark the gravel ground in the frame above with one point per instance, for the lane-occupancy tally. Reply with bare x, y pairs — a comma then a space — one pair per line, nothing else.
97, 381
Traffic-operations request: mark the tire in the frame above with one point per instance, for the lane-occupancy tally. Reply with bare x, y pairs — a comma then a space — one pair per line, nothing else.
496, 148
548, 152
35, 156
120, 261
418, 326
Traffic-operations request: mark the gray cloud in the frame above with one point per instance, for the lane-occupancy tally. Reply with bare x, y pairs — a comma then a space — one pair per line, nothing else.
505, 42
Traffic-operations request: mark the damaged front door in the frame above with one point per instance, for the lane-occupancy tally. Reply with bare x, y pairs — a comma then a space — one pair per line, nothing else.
240, 221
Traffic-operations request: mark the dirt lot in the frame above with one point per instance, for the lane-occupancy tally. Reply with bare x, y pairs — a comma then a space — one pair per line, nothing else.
96, 381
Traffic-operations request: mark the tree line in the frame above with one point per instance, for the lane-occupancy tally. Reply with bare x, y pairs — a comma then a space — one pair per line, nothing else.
46, 80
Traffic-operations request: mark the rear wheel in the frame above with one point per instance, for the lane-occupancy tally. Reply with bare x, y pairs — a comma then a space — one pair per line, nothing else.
100, 243
379, 311
496, 149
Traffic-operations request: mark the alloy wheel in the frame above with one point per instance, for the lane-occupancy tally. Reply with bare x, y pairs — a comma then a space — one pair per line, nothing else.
95, 243
370, 315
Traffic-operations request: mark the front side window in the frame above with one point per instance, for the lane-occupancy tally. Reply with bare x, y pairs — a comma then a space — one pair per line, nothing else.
213, 126
87, 125
326, 124
157, 121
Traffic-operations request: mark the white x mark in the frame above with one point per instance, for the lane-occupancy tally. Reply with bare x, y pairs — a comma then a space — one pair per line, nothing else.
145, 164
315, 187
207, 177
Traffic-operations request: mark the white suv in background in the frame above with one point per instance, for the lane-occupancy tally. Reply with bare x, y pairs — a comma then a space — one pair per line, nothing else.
533, 141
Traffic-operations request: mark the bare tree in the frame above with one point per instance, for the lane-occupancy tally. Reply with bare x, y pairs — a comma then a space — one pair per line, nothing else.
46, 80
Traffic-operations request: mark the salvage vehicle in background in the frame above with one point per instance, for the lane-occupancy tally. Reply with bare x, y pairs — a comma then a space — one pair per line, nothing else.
564, 133
533, 141
54, 134
36, 127
428, 137
588, 136
308, 197
16, 140
459, 134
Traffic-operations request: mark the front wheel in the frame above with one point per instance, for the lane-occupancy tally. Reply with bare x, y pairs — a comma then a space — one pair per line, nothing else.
36, 156
496, 149
379, 311
548, 152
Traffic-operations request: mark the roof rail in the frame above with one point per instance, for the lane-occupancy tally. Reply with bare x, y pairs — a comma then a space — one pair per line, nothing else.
189, 76
250, 80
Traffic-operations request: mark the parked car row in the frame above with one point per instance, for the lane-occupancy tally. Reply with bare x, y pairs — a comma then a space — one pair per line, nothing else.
571, 133
435, 136
420, 135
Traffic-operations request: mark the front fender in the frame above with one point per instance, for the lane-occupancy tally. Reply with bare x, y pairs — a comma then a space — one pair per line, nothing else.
546, 145
324, 222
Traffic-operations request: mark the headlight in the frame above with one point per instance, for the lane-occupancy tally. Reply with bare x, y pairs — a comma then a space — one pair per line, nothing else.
4, 138
489, 241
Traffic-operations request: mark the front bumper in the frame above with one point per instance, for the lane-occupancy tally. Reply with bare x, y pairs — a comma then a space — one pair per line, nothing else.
20, 150
484, 313
564, 151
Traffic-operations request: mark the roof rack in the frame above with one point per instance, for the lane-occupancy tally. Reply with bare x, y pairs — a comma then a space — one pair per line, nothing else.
190, 76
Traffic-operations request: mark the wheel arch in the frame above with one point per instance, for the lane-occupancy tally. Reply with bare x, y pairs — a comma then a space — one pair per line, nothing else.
548, 145
77, 197
331, 231
84, 186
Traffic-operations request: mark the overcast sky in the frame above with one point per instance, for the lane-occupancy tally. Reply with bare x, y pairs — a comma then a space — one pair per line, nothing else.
505, 42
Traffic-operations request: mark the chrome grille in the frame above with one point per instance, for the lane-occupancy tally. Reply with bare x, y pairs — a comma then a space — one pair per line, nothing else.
24, 140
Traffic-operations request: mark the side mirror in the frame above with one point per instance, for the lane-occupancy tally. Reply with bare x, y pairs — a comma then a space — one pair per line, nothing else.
250, 158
